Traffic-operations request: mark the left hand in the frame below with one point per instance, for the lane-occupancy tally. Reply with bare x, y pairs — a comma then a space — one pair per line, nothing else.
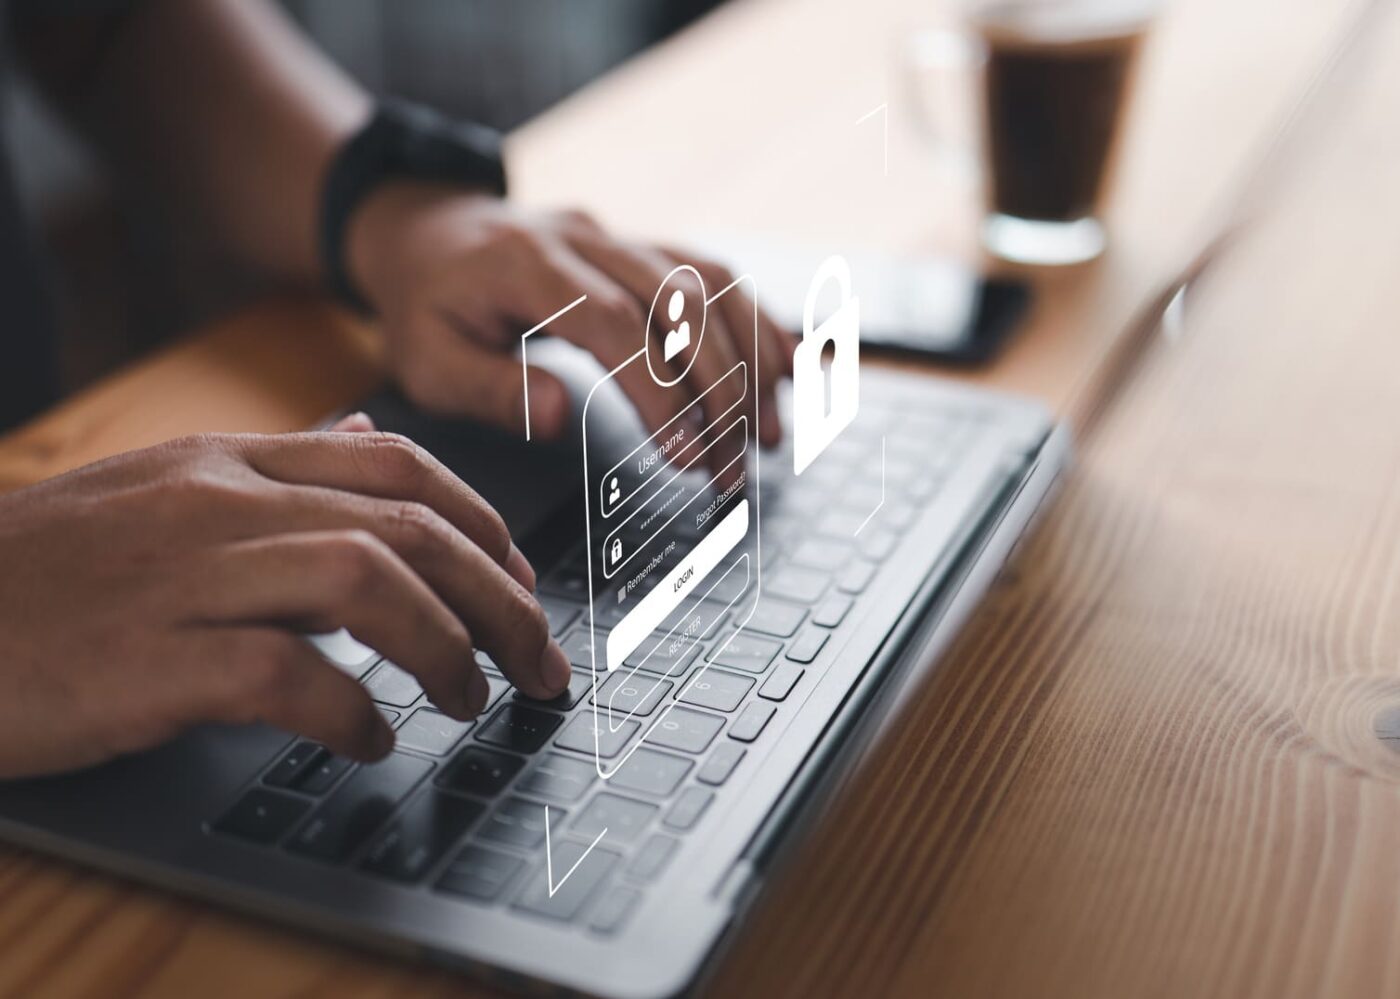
456, 277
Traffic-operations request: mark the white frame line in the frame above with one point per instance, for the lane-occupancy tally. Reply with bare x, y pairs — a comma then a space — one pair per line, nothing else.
885, 108
878, 506
524, 364
549, 856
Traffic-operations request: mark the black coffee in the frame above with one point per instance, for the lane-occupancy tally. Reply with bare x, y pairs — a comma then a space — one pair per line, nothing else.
1056, 77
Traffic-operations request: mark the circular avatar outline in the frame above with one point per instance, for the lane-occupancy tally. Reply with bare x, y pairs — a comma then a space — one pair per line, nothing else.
651, 314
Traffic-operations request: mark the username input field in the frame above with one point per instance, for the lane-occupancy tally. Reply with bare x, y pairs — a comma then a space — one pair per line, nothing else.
675, 445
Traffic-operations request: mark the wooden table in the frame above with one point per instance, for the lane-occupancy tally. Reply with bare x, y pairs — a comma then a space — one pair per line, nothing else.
1150, 766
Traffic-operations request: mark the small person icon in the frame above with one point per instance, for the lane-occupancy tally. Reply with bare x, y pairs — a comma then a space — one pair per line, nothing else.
614, 492
677, 339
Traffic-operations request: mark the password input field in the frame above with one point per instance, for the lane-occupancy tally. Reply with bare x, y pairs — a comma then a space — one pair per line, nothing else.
679, 583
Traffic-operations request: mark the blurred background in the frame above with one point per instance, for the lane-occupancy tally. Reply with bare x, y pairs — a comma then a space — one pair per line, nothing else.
128, 278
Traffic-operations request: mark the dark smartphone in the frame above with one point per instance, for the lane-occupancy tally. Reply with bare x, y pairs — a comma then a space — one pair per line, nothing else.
919, 306
994, 309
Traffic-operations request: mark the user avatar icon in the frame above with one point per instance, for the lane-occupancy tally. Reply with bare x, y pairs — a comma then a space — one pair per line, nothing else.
614, 492
677, 338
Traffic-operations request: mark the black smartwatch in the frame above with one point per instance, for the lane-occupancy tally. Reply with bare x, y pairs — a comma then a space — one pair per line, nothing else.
406, 141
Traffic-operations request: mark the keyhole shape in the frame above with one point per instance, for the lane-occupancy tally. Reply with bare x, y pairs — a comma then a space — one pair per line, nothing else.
828, 359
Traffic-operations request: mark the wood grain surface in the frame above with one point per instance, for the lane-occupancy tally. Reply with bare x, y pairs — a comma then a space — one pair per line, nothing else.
1149, 767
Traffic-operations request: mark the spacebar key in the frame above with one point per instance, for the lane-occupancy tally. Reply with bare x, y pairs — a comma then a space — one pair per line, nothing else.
363, 802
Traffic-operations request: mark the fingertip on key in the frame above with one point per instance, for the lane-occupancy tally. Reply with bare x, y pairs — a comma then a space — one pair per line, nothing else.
555, 669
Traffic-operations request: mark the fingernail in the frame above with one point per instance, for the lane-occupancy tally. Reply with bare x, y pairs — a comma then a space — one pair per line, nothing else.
353, 423
478, 690
520, 569
554, 668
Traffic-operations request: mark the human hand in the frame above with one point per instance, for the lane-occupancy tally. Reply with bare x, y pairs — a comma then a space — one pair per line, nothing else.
172, 586
457, 277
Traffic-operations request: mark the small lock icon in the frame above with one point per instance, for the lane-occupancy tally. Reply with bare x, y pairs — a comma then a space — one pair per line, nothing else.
825, 402
615, 552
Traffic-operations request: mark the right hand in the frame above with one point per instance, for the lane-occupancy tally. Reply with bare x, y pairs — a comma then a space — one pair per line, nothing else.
172, 586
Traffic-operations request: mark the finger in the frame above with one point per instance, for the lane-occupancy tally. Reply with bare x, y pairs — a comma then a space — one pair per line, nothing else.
455, 375
268, 675
644, 270
391, 467
322, 581
740, 317
773, 336
756, 338
504, 619
352, 423
610, 324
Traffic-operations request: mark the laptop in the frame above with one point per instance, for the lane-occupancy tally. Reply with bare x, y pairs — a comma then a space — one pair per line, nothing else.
606, 842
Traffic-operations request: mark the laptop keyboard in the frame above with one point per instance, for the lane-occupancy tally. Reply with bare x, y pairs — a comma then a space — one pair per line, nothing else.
459, 808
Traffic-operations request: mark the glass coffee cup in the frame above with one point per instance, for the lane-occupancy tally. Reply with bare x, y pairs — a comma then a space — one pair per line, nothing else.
1052, 78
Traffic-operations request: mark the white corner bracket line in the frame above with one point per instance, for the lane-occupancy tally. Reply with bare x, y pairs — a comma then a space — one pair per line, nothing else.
549, 853
524, 367
882, 491
883, 109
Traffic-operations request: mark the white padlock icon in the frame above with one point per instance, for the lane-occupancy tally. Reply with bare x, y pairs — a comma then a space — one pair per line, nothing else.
616, 551
825, 402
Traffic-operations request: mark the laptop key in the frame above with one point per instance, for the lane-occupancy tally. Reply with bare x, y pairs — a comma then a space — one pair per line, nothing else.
751, 723
721, 764
613, 909
832, 611
652, 858
716, 689
288, 770
564, 778
686, 730
803, 586
415, 840
569, 898
774, 617
479, 873
667, 656
480, 771
321, 776
519, 823
624, 695
856, 576
623, 818
392, 686
781, 682
578, 646
808, 646
348, 817
839, 524
747, 652
879, 544
582, 735
519, 727
649, 772
579, 685
686, 810
558, 613
431, 731
262, 816
825, 554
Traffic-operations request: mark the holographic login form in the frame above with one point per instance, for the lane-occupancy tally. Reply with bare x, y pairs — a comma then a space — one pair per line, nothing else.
673, 526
